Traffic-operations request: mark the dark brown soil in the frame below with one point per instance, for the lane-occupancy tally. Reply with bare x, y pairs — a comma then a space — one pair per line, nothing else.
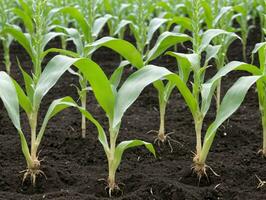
73, 166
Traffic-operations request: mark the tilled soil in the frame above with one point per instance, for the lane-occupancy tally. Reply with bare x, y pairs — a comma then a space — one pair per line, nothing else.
74, 166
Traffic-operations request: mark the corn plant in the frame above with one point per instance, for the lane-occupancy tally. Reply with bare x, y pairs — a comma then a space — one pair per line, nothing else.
61, 20
165, 40
202, 92
6, 18
219, 17
261, 9
37, 21
118, 10
243, 17
261, 70
90, 28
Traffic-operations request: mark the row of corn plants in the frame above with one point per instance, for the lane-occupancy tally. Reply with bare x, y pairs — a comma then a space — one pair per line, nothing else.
158, 28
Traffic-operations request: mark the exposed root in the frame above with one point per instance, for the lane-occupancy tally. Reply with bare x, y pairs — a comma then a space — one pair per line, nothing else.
163, 138
261, 182
33, 172
262, 152
201, 168
112, 188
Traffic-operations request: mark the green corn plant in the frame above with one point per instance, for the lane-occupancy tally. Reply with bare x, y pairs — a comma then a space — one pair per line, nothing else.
61, 20
243, 16
202, 92
36, 20
118, 10
261, 9
261, 84
5, 18
219, 17
13, 96
165, 40
88, 29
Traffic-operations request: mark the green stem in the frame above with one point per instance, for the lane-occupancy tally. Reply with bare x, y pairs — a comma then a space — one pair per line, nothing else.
111, 160
6, 56
205, 150
264, 134
33, 127
161, 134
218, 95
245, 50
198, 128
83, 120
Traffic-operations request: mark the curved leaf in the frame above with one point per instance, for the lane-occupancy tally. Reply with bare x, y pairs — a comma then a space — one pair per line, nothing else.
78, 16
90, 70
21, 38
166, 40
230, 103
99, 24
134, 85
119, 150
154, 25
124, 48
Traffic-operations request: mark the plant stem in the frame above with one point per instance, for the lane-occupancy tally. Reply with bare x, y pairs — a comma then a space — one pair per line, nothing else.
33, 126
264, 134
218, 95
83, 120
244, 49
198, 128
161, 134
111, 160
6, 55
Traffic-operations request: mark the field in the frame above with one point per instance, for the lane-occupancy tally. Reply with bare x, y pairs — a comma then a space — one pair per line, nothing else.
187, 158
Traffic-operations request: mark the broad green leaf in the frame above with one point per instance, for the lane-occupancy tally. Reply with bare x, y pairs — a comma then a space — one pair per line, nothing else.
75, 36
48, 37
117, 74
208, 87
21, 38
63, 103
184, 22
154, 25
224, 11
119, 150
166, 40
24, 101
99, 24
208, 14
50, 75
9, 97
124, 48
60, 51
78, 16
134, 85
90, 70
260, 48
99, 83
209, 35
122, 24
211, 52
230, 103
186, 63
25, 18
29, 83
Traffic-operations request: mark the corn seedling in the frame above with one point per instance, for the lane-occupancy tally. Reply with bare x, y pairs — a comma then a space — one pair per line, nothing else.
5, 19
243, 17
202, 92
219, 17
90, 28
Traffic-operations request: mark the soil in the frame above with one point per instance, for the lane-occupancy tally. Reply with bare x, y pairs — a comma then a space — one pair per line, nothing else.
74, 166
